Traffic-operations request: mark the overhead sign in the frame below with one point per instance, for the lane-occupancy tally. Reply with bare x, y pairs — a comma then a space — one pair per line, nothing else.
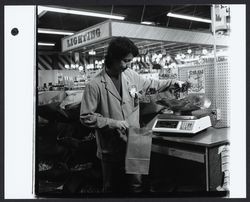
85, 37
222, 12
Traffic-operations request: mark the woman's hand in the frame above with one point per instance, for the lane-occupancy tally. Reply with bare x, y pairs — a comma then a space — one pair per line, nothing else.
181, 86
178, 84
122, 125
123, 134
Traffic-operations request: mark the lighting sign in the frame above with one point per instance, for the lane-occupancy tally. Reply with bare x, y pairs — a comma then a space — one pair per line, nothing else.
86, 36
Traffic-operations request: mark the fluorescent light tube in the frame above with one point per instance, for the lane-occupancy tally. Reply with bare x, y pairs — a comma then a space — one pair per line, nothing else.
45, 44
54, 31
79, 12
147, 23
187, 17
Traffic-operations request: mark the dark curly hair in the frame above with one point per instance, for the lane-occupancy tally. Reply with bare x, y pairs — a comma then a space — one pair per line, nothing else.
119, 48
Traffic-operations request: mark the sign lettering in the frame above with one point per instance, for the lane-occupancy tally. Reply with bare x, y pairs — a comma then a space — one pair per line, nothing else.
76, 40
86, 36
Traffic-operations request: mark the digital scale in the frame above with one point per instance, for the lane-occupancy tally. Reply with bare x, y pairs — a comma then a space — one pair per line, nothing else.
188, 124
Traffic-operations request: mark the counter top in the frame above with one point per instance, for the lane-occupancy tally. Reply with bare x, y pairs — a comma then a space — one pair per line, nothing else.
209, 138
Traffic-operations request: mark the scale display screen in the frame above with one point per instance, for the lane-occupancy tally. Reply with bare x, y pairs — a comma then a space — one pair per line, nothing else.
166, 124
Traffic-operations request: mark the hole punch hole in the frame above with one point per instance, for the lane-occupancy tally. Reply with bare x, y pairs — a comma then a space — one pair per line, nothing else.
14, 31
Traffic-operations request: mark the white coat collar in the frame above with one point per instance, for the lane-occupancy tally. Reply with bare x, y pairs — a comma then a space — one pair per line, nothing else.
109, 85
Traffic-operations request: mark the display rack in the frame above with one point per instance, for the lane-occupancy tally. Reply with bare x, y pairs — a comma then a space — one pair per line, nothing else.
222, 101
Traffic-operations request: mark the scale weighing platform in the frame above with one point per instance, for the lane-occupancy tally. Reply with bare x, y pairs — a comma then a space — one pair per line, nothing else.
181, 124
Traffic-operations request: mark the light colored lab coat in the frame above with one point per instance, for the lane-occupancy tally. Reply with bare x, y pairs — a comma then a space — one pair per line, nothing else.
102, 106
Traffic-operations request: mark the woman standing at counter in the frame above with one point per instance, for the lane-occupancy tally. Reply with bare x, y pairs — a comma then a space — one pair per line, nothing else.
110, 104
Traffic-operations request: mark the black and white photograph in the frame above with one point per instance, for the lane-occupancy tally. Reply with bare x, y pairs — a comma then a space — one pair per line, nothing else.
127, 100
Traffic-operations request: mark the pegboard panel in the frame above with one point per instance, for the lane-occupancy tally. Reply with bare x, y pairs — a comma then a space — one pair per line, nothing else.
222, 100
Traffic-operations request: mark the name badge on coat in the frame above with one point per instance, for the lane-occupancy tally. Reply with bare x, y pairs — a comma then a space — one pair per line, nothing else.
134, 94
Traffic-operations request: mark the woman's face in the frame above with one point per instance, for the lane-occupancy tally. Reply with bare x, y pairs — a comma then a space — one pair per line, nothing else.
120, 66
126, 62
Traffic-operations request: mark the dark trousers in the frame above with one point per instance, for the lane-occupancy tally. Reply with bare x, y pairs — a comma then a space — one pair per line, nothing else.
115, 180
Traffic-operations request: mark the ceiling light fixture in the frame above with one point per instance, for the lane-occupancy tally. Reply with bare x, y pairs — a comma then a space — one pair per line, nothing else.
45, 44
80, 68
147, 23
204, 51
79, 12
188, 17
54, 31
92, 52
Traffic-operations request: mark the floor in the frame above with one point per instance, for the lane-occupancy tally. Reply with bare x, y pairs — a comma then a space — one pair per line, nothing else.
86, 180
